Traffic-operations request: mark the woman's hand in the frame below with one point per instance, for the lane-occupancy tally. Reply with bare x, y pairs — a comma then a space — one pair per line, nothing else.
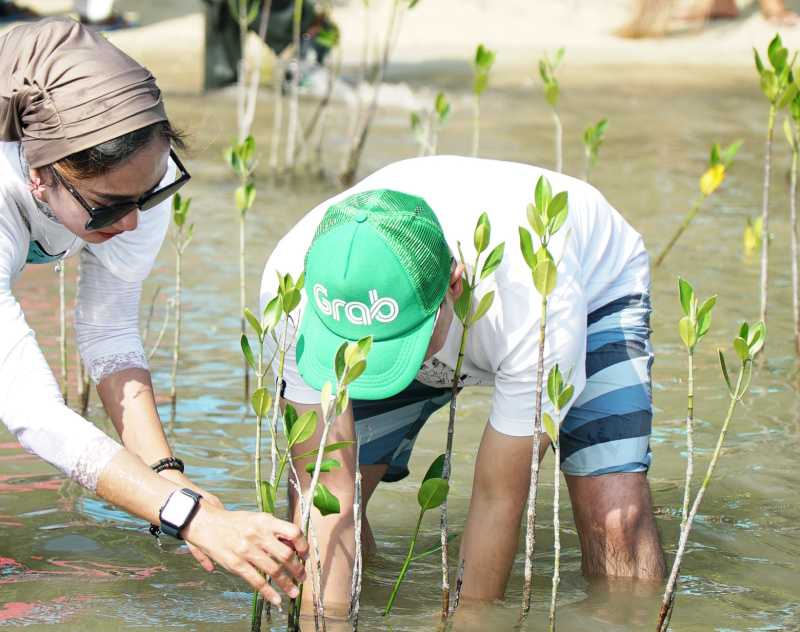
249, 544
179, 478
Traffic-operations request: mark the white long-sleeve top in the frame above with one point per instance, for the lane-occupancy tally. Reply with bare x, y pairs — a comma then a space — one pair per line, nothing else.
106, 320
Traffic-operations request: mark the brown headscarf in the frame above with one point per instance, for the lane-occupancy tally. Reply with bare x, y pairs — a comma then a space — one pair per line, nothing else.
64, 88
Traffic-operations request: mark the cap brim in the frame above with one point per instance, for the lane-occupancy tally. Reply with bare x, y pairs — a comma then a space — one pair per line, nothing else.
391, 365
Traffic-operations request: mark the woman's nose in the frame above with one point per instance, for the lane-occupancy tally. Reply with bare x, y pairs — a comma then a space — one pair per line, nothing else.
128, 222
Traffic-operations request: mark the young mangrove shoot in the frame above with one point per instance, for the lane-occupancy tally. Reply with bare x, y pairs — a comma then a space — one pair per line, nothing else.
425, 125
552, 92
790, 128
778, 85
693, 326
546, 216
559, 393
746, 345
242, 160
718, 164
432, 493
468, 314
181, 237
481, 66
593, 137
62, 329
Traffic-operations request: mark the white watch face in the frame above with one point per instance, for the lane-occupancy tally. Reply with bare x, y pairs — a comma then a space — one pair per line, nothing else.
177, 509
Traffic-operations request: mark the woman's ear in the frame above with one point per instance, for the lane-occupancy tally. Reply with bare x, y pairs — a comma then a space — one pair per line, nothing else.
456, 282
38, 182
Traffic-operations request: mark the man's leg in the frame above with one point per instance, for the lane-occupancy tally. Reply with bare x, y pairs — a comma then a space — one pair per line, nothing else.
499, 495
616, 527
371, 475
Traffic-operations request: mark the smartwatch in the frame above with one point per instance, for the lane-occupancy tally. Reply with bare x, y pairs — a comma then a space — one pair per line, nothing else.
177, 511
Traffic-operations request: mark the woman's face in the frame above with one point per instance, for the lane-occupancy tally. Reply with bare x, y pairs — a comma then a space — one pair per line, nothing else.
138, 175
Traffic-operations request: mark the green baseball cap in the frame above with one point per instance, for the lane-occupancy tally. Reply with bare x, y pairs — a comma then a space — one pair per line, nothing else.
378, 266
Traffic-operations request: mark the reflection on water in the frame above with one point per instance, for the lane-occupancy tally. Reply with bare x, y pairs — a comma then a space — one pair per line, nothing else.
70, 559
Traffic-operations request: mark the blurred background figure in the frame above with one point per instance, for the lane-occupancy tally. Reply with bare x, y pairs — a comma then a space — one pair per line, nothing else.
652, 18
96, 13
223, 49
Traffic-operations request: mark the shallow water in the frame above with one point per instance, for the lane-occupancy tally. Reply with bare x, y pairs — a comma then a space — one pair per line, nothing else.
70, 559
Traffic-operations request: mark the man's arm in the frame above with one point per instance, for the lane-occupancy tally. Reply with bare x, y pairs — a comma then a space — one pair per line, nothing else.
334, 532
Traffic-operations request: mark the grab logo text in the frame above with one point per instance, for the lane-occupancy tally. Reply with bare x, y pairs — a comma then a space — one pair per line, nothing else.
382, 310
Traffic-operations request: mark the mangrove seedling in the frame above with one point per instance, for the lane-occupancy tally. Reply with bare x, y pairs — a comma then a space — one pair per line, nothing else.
790, 128
481, 66
751, 237
778, 85
552, 92
593, 137
546, 216
747, 345
559, 393
349, 363
719, 162
181, 237
242, 160
365, 118
692, 327
468, 314
62, 329
425, 125
432, 493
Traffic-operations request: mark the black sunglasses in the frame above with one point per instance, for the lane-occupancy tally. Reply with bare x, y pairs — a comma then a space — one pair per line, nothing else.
102, 216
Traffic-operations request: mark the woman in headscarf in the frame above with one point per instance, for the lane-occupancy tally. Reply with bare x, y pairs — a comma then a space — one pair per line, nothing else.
87, 165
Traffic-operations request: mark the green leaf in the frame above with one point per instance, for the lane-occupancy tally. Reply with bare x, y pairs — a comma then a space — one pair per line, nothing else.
352, 355
724, 368
267, 497
289, 418
729, 153
714, 159
747, 373
262, 402
247, 149
494, 259
686, 293
558, 57
432, 493
535, 221
248, 352
756, 338
325, 397
483, 232
442, 107
291, 299
777, 54
788, 131
544, 277
272, 313
463, 304
231, 156
245, 197
759, 65
551, 93
526, 246
342, 399
744, 330
303, 429
542, 194
325, 501
365, 346
554, 384
251, 318
339, 362
707, 306
769, 85
416, 121
557, 204
565, 397
326, 466
252, 13
550, 428
436, 469
331, 447
741, 348
483, 307
354, 372
687, 332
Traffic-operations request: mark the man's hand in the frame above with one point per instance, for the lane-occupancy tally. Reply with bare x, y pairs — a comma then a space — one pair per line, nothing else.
179, 478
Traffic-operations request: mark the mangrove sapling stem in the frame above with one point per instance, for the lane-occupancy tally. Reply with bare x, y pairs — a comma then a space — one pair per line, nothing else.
161, 332
530, 521
669, 593
681, 229
558, 141
794, 247
765, 214
687, 488
150, 312
355, 585
180, 240
277, 115
404, 568
294, 98
62, 330
242, 300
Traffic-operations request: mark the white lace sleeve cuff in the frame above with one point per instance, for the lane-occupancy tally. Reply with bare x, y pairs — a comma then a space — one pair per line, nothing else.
96, 455
101, 368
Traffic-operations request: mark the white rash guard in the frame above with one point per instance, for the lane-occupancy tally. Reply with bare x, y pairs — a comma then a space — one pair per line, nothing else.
106, 320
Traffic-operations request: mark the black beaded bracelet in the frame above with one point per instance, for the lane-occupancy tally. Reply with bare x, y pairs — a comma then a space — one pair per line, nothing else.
169, 463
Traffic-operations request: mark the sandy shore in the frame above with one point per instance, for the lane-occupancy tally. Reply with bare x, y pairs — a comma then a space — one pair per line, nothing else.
440, 36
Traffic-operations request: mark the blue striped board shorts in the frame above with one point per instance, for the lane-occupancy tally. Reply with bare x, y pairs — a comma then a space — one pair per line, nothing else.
606, 431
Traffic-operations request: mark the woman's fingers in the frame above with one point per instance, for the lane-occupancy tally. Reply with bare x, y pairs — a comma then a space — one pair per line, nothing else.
287, 558
290, 533
274, 569
201, 557
254, 578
